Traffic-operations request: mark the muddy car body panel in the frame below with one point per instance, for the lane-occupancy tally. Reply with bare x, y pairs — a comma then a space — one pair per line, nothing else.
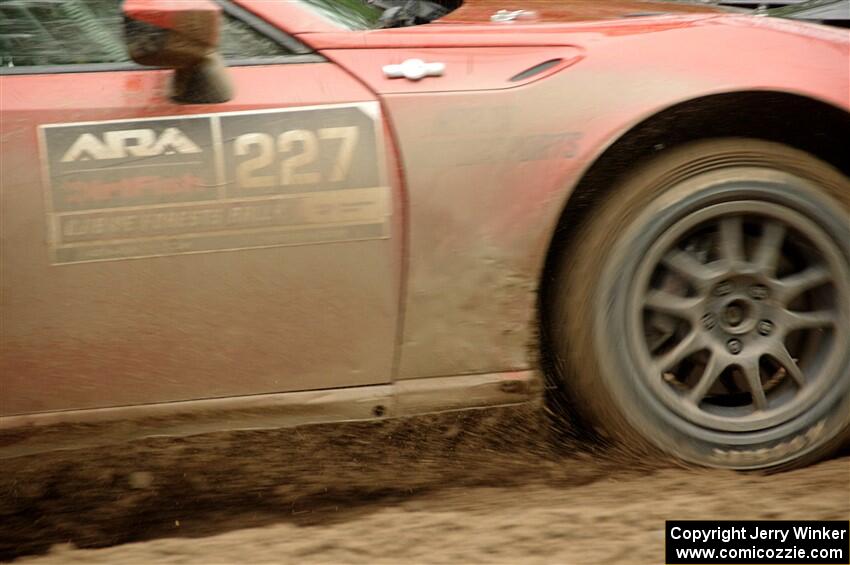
331, 227
495, 161
158, 315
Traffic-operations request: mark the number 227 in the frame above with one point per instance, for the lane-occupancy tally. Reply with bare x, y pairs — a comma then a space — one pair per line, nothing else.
291, 168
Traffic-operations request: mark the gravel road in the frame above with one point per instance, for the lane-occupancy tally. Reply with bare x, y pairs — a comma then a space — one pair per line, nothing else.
475, 489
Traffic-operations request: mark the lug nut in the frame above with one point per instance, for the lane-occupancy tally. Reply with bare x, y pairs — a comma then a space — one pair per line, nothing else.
765, 327
734, 346
723, 289
758, 291
708, 321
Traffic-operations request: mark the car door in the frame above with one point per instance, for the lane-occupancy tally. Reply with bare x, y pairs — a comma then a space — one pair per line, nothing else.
157, 252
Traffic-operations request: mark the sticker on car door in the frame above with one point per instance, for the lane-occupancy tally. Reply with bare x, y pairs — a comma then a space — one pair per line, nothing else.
193, 184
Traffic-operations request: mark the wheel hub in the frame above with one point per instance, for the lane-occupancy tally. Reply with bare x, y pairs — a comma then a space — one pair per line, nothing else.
736, 313
737, 316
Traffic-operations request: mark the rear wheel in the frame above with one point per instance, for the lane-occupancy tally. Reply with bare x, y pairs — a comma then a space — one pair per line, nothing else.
704, 308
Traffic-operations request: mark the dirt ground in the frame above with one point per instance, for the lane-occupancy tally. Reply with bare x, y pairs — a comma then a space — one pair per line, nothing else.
462, 488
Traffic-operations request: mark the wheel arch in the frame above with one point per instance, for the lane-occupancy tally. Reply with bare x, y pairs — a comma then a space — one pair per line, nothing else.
793, 119
796, 120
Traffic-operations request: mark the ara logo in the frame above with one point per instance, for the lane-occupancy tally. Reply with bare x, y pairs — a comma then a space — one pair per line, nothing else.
130, 143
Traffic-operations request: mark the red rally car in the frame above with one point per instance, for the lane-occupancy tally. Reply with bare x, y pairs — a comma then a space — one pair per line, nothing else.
265, 213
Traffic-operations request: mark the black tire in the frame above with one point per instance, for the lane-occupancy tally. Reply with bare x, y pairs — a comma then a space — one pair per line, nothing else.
627, 347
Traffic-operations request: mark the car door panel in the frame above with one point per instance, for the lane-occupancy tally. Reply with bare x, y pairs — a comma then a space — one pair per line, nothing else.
139, 267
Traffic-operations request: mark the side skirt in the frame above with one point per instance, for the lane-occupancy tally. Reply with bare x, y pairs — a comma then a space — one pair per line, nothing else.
74, 429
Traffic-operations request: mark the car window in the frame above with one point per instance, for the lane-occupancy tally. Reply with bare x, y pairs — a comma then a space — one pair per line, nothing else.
351, 14
76, 32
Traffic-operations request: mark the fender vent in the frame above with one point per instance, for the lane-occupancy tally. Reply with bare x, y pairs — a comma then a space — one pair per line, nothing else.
644, 14
535, 70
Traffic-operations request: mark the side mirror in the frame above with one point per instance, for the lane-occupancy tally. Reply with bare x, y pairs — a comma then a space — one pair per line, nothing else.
182, 35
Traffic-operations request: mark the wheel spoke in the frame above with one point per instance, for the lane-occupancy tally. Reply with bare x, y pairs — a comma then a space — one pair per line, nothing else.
782, 356
753, 376
672, 304
712, 371
793, 286
665, 327
731, 239
769, 247
689, 345
686, 265
809, 320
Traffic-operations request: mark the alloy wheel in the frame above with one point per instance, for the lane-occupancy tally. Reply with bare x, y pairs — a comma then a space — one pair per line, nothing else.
739, 315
